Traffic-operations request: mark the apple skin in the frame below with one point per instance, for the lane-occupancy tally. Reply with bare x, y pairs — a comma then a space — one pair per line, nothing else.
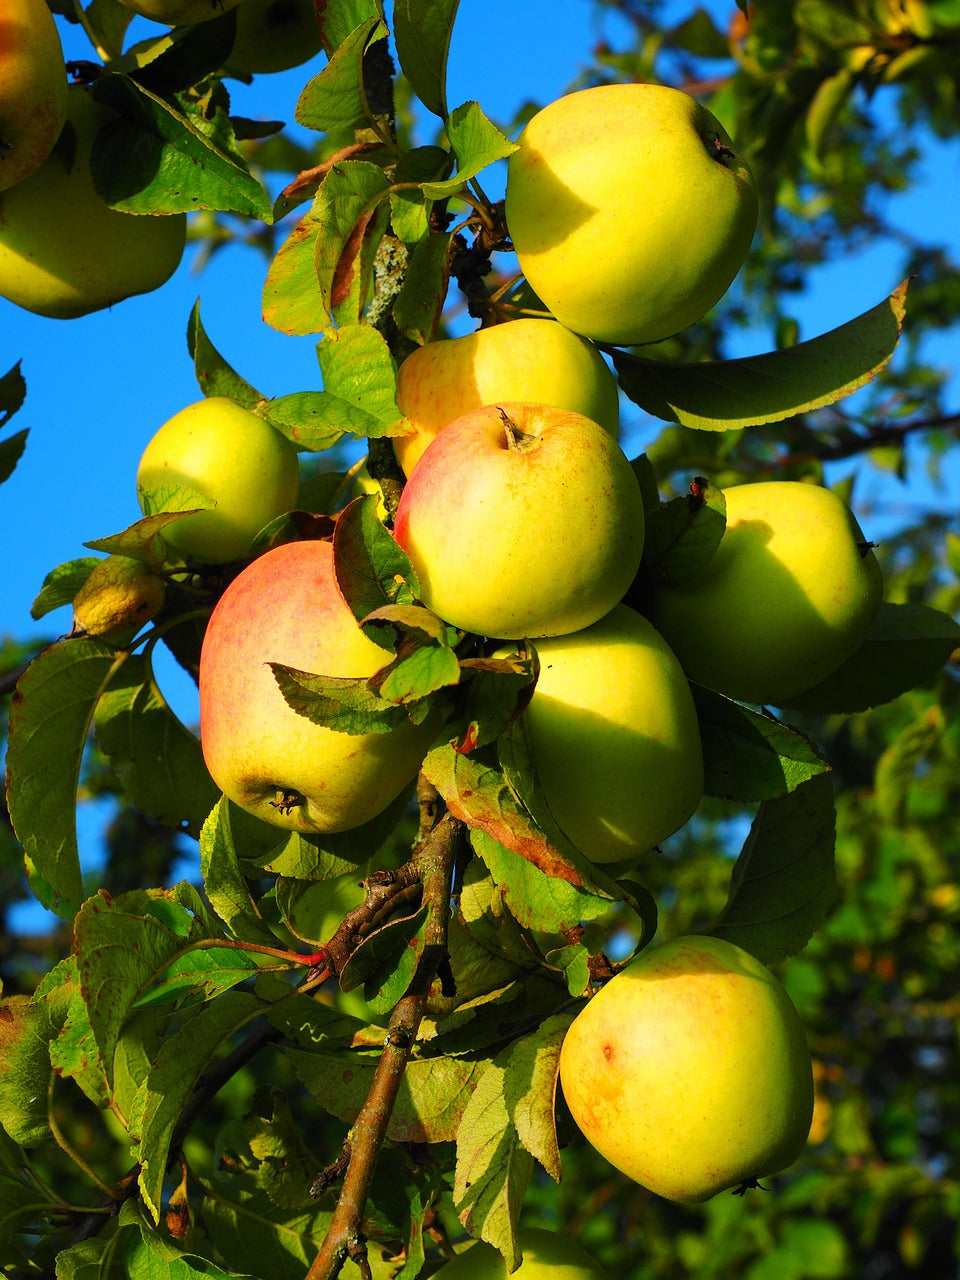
788, 596
286, 607
33, 88
629, 210
546, 1256
63, 252
274, 35
534, 360
229, 454
614, 737
530, 539
176, 13
689, 1071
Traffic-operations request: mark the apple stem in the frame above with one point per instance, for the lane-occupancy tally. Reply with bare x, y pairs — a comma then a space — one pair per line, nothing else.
517, 440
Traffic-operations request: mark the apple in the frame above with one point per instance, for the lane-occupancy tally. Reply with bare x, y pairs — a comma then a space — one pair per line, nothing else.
522, 520
534, 360
286, 607
788, 596
33, 88
118, 598
222, 451
546, 1256
629, 210
177, 13
689, 1071
614, 737
274, 35
63, 252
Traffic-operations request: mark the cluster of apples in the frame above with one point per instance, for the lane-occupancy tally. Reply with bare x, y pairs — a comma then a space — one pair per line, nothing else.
63, 252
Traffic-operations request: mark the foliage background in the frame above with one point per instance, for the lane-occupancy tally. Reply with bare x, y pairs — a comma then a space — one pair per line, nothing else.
877, 1192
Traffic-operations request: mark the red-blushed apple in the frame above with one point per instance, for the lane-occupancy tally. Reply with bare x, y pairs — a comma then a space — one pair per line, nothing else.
629, 209
547, 1255
63, 251
789, 595
689, 1071
528, 359
33, 88
614, 737
225, 452
286, 607
522, 520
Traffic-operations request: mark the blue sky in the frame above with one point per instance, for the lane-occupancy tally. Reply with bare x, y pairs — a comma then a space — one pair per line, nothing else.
99, 386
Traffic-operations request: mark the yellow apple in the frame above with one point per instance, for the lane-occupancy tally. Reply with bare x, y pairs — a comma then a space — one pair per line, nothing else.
546, 1256
274, 35
522, 520
535, 360
788, 596
690, 1072
33, 88
286, 607
63, 252
629, 210
225, 452
614, 737
180, 12
117, 599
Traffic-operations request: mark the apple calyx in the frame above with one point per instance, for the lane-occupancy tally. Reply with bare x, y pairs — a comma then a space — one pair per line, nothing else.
286, 800
719, 149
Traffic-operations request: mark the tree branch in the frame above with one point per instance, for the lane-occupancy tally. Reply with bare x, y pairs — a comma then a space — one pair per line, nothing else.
435, 859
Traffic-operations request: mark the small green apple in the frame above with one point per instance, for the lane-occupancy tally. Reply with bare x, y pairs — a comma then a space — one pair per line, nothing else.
118, 598
274, 35
286, 607
225, 452
63, 252
546, 1256
535, 360
629, 210
522, 520
614, 737
689, 1071
178, 13
790, 593
33, 88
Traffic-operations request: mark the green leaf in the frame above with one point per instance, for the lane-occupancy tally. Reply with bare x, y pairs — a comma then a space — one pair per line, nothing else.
158, 760
730, 394
73, 1053
907, 646
372, 569
418, 307
344, 703
497, 690
181, 1059
13, 392
215, 376
682, 535
476, 142
783, 882
422, 30
360, 378
25, 1033
153, 159
291, 295
50, 717
897, 767
409, 208
338, 21
313, 420
344, 206
122, 945
11, 451
380, 950
748, 756
334, 100
226, 887
493, 1167
62, 584
323, 857
430, 1104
